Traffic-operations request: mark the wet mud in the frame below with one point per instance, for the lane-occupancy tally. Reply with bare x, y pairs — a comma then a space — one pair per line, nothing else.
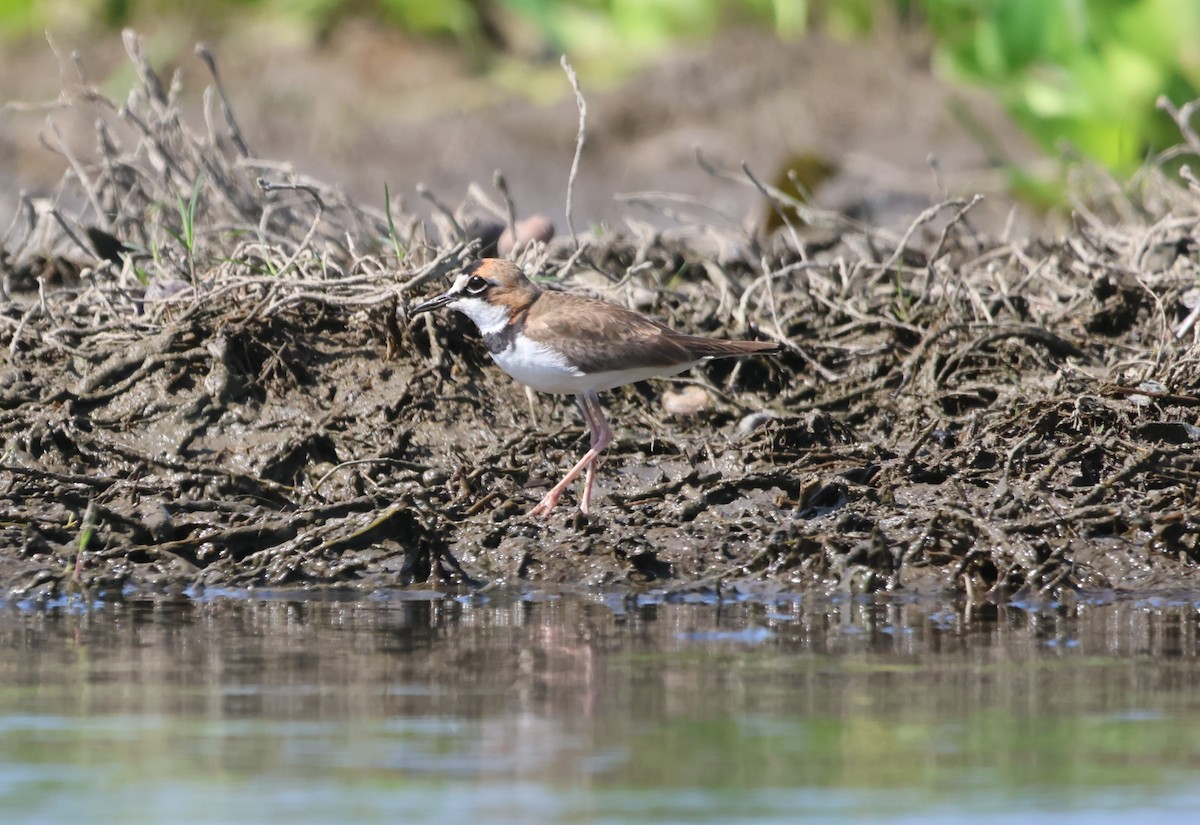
233, 394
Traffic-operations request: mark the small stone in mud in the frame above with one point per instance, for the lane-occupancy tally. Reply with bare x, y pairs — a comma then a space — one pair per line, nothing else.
688, 401
754, 420
535, 228
157, 520
433, 477
164, 289
487, 232
944, 438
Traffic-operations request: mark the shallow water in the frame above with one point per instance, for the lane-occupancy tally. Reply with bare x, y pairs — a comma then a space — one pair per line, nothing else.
419, 708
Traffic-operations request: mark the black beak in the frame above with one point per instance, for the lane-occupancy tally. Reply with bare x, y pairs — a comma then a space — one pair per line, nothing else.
432, 303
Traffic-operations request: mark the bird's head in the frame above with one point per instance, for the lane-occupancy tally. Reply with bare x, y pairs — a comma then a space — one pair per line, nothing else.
489, 292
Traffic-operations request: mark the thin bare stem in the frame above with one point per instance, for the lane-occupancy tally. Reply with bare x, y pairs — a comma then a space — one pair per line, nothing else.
580, 138
510, 209
235, 131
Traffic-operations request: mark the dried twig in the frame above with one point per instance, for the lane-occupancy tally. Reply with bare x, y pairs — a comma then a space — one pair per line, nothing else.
235, 132
780, 210
579, 141
510, 210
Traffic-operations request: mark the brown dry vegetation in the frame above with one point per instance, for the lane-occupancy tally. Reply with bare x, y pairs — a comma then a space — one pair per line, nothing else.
951, 410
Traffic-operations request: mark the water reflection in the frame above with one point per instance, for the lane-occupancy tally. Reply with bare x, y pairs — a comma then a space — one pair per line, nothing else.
599, 710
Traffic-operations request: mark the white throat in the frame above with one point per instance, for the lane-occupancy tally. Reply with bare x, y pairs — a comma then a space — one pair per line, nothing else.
490, 318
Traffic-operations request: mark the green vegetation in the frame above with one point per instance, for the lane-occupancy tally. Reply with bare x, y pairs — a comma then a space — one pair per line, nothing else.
393, 236
574, 25
1086, 74
187, 225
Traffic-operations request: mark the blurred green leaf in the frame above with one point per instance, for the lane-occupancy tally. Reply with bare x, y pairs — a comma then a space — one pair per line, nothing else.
1088, 72
455, 17
19, 18
655, 22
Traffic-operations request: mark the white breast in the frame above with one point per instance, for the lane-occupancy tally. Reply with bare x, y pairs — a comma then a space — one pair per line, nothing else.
536, 365
543, 368
546, 370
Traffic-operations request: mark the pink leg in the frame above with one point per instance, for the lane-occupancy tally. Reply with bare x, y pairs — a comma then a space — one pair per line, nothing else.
602, 436
584, 503
593, 413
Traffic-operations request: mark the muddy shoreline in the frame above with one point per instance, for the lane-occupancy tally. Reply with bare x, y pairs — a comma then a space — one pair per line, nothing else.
241, 399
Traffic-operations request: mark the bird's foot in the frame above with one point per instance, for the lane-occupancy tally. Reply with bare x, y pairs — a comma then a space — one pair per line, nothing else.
550, 500
548, 503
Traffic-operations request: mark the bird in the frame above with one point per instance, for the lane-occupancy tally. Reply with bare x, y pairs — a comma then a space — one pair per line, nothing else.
567, 344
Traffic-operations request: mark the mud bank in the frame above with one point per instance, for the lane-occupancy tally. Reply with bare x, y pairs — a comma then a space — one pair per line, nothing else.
233, 394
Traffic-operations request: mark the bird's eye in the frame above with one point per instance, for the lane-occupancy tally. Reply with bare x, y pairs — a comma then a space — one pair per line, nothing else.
477, 284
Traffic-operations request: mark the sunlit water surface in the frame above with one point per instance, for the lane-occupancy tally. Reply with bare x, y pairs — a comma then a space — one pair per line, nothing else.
421, 708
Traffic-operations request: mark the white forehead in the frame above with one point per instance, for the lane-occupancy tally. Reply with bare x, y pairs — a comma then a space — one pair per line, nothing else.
460, 283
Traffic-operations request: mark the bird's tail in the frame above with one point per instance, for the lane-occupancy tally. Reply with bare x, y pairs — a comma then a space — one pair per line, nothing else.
723, 348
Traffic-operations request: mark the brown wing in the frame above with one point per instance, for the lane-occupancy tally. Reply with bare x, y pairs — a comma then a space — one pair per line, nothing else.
599, 336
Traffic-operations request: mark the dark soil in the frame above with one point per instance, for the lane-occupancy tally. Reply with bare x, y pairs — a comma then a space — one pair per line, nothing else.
951, 411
